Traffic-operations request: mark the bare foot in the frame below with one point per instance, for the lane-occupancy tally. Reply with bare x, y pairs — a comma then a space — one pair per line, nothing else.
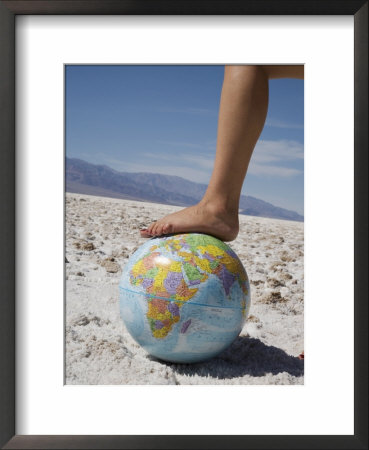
201, 218
301, 355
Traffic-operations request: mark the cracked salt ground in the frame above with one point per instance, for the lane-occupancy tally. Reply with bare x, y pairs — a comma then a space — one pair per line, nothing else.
101, 234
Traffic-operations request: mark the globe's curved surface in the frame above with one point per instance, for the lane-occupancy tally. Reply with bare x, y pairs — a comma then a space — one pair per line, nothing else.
185, 297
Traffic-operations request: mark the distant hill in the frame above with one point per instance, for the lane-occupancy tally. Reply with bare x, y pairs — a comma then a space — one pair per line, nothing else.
85, 178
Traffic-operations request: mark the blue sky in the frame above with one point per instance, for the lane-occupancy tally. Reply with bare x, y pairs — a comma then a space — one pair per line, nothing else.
163, 119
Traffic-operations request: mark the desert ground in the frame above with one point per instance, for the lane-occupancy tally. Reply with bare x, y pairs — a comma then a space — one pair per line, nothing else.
101, 234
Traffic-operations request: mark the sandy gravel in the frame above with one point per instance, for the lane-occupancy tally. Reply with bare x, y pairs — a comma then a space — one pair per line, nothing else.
101, 233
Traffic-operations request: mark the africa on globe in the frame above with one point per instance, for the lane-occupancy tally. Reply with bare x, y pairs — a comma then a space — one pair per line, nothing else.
184, 298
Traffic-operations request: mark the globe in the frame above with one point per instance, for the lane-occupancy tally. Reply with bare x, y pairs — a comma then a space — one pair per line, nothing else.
184, 298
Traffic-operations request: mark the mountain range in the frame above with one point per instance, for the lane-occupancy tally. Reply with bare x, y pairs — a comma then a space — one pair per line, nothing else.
83, 177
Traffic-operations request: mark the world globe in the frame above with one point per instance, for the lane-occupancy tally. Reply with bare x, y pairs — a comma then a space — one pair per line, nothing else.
184, 298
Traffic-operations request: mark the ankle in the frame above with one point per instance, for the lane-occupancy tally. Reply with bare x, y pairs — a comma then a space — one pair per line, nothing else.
219, 206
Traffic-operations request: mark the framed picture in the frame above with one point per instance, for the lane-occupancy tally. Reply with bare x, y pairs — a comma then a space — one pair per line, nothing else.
39, 42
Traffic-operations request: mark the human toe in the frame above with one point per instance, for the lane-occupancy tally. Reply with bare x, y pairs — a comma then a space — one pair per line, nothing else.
145, 233
155, 230
159, 229
166, 228
151, 227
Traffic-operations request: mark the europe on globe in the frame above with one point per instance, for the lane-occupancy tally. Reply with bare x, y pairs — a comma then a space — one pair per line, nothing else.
184, 298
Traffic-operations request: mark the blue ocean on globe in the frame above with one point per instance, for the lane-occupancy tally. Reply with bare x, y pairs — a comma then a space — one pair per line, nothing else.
184, 298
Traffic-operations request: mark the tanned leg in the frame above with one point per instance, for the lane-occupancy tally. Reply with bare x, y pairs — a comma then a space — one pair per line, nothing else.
242, 112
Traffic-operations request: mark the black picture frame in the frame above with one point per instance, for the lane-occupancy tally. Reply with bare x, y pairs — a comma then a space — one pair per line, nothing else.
8, 11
